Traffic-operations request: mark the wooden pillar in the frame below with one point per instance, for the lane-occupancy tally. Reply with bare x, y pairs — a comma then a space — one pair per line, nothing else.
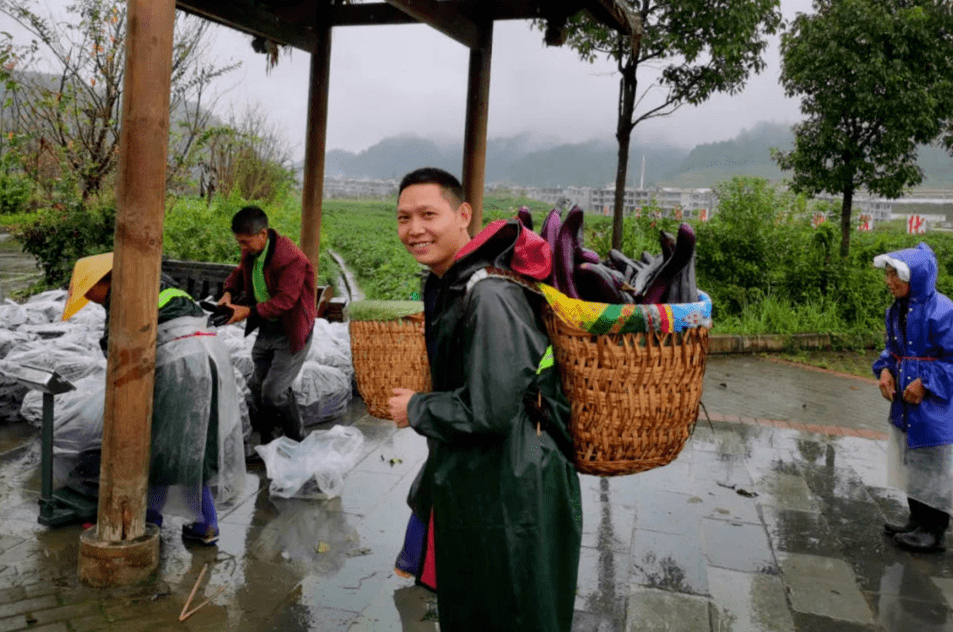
140, 207
474, 142
315, 143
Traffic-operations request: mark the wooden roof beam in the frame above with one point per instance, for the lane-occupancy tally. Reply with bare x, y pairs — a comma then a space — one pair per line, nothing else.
445, 17
247, 19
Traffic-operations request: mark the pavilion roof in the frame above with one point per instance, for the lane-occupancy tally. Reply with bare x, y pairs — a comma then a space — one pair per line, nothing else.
293, 22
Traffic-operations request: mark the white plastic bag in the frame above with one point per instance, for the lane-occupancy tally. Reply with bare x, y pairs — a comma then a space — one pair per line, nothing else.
77, 415
322, 392
331, 346
324, 457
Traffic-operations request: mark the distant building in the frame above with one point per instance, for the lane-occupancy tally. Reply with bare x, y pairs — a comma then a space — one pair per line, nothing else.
668, 200
879, 209
354, 188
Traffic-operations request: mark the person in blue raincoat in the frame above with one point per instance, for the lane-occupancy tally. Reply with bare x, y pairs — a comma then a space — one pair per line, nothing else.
915, 371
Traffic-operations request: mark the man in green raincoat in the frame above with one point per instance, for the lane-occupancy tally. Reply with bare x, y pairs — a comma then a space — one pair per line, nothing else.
499, 488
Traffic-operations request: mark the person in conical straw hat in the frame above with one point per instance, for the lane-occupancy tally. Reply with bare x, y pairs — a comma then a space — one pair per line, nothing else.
195, 403
87, 274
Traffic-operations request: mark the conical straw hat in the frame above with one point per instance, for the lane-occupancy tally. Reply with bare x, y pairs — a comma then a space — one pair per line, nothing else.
87, 272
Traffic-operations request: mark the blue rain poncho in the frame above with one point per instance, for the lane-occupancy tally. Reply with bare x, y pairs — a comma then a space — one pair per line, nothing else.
919, 344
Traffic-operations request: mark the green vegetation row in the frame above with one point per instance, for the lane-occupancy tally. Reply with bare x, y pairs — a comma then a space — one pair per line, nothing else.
767, 269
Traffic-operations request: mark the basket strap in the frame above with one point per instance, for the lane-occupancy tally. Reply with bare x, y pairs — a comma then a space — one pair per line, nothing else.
502, 273
536, 408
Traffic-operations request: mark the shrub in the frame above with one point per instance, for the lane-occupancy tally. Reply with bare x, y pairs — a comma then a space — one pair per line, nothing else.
60, 235
15, 189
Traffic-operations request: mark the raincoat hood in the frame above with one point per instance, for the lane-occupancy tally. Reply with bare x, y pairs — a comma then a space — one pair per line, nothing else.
916, 266
508, 244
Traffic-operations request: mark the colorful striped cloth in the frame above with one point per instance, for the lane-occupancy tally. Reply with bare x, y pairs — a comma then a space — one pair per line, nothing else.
605, 318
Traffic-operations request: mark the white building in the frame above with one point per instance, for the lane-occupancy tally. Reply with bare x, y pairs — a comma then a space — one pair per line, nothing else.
358, 188
668, 200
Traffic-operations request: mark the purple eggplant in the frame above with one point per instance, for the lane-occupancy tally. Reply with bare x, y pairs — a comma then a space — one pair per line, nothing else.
627, 267
587, 256
525, 217
549, 232
597, 283
667, 241
564, 257
644, 277
680, 257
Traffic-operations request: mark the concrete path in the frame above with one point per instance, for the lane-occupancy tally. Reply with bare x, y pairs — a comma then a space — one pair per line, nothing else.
770, 519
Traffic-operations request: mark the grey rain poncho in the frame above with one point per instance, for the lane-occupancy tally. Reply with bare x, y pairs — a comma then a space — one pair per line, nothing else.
196, 422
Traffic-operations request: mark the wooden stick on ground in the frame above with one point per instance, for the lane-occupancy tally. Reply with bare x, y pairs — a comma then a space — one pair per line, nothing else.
185, 615
202, 605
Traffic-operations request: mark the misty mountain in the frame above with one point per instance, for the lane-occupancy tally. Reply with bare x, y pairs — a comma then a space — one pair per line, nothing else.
509, 160
528, 160
747, 148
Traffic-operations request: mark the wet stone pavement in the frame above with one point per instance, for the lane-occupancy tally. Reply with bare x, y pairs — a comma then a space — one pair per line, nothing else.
770, 519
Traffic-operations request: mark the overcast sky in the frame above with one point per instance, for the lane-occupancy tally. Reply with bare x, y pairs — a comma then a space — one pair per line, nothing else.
410, 79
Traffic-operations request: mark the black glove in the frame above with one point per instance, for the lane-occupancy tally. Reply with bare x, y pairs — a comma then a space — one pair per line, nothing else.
221, 314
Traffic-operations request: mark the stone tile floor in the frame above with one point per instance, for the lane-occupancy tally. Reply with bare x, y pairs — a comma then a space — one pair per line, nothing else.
755, 526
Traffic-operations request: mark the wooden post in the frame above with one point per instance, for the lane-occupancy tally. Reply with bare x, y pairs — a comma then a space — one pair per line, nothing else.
313, 186
140, 207
474, 143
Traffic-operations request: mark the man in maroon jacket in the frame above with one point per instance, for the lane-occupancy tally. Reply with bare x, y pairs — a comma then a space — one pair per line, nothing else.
274, 290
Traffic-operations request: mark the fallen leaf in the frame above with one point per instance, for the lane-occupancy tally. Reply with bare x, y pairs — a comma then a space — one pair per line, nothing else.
323, 547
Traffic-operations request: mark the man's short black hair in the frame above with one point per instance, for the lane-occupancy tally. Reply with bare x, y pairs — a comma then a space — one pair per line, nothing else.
448, 183
250, 220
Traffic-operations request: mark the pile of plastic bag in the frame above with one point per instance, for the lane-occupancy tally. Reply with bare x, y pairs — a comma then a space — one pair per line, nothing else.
32, 334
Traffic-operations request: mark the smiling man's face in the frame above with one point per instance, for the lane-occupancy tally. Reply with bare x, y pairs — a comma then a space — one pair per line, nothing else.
430, 227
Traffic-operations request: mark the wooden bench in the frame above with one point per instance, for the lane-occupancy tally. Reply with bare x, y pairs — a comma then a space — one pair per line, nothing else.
202, 280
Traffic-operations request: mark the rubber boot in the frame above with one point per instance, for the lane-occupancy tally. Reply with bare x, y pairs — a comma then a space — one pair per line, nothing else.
892, 529
928, 536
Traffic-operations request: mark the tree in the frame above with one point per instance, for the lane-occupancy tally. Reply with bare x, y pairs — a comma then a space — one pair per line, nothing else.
701, 46
875, 79
72, 112
248, 157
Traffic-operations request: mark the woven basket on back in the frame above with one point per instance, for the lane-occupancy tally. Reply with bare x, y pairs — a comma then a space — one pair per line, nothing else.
634, 396
386, 355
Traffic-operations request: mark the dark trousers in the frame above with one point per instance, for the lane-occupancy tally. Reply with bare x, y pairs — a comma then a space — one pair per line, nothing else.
928, 518
273, 402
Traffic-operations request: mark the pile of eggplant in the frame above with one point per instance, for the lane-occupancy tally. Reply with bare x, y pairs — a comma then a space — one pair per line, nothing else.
579, 272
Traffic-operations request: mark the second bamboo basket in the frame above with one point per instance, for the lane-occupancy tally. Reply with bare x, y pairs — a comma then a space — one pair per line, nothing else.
388, 354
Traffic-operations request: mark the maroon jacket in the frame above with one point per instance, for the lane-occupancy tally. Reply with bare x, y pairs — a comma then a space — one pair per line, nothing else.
289, 277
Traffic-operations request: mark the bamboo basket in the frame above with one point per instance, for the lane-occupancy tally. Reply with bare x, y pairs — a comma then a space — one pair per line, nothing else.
387, 355
634, 396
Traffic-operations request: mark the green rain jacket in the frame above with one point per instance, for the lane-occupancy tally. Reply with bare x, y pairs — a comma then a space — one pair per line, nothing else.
505, 500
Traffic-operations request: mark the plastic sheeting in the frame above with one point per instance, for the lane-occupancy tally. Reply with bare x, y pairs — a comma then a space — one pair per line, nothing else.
324, 388
323, 392
9, 340
315, 467
32, 333
77, 415
331, 346
72, 360
193, 373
